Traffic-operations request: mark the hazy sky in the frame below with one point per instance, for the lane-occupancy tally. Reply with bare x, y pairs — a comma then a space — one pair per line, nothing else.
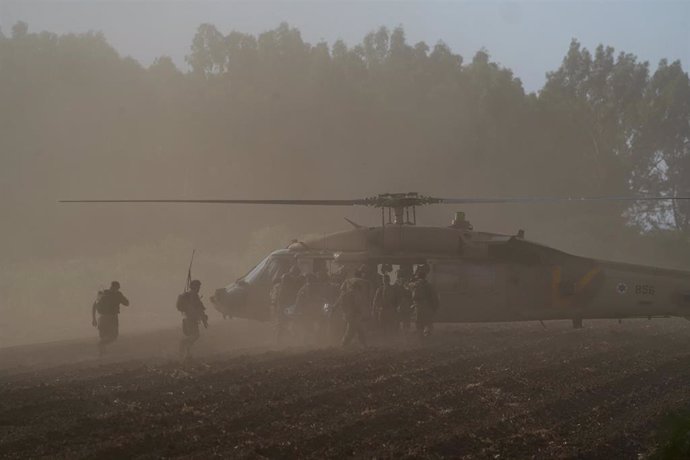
529, 37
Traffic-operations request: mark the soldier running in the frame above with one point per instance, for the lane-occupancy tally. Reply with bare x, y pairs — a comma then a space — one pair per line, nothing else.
194, 312
107, 305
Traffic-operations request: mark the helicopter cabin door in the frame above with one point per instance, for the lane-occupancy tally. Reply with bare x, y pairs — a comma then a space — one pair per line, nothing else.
527, 291
468, 291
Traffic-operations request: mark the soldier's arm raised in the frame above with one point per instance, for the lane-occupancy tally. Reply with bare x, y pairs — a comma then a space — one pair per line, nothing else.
124, 300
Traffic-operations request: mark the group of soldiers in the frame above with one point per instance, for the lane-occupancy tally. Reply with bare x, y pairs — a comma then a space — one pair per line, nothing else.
106, 309
317, 304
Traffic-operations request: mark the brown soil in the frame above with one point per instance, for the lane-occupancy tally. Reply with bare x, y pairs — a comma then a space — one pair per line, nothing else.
475, 391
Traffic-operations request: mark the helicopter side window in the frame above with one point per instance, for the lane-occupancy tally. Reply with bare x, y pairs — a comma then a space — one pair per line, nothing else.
313, 265
305, 265
320, 264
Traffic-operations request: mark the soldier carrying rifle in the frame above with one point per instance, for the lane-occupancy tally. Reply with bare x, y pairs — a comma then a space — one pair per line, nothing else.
193, 312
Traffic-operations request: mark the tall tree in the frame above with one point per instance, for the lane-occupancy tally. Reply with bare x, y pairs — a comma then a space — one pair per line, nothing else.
208, 52
662, 148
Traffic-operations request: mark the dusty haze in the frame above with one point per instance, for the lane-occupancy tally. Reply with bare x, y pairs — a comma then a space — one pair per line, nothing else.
270, 115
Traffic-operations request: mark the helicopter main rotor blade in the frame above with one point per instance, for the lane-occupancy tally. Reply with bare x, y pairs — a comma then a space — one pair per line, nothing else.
277, 202
555, 199
403, 200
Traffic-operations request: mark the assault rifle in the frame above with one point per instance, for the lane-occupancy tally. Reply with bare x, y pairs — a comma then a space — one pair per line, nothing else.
189, 272
187, 287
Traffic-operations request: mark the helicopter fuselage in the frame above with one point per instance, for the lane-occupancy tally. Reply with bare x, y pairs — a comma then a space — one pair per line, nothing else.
479, 276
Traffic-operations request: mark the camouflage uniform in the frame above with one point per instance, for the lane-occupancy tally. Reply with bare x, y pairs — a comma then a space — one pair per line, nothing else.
425, 303
309, 305
289, 286
333, 318
355, 295
107, 305
386, 301
402, 286
194, 312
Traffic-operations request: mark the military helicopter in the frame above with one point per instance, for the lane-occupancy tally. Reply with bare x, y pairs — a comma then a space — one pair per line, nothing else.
480, 276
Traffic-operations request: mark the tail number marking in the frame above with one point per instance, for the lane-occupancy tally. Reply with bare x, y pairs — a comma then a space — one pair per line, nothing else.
644, 289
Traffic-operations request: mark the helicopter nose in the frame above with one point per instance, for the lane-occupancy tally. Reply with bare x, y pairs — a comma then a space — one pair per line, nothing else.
230, 300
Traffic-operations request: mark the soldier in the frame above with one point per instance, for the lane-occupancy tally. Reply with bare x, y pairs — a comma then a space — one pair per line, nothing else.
402, 285
355, 301
460, 222
385, 307
194, 312
274, 295
337, 276
334, 318
328, 285
290, 284
372, 275
107, 305
310, 302
424, 301
308, 306
373, 280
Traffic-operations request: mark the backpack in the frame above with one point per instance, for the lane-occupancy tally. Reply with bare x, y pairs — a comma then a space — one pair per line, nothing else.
105, 304
182, 302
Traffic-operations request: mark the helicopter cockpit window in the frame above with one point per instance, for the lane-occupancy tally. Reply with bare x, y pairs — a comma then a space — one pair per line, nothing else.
270, 269
255, 272
277, 268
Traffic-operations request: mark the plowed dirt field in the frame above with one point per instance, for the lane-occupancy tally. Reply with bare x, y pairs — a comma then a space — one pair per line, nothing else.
474, 391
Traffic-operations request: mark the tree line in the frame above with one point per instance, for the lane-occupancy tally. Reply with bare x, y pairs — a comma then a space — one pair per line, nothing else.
380, 115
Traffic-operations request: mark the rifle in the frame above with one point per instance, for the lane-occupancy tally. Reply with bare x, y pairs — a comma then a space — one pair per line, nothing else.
187, 287
189, 273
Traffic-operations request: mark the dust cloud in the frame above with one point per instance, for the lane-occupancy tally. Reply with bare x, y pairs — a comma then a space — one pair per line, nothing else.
271, 116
